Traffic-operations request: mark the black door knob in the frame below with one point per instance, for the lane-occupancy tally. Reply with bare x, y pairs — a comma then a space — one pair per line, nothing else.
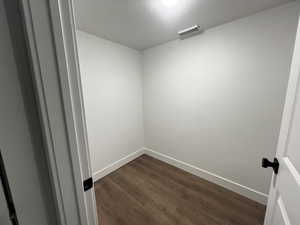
275, 164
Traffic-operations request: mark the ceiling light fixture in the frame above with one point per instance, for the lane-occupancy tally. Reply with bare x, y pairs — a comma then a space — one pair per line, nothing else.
169, 3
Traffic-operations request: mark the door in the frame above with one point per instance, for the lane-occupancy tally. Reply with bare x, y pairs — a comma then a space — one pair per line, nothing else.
20, 141
284, 200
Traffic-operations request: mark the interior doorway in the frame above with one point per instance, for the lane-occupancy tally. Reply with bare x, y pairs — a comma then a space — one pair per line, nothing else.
179, 106
172, 121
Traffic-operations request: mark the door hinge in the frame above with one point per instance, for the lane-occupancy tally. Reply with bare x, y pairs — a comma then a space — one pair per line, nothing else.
88, 184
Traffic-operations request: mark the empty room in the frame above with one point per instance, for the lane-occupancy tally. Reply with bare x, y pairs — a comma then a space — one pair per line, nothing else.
183, 99
151, 112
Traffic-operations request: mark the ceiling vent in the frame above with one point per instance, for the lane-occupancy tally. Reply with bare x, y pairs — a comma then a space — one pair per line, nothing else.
189, 32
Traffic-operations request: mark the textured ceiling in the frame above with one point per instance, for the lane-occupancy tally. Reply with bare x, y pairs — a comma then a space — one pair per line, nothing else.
141, 24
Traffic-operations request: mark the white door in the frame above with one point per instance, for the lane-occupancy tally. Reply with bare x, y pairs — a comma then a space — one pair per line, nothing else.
20, 142
284, 201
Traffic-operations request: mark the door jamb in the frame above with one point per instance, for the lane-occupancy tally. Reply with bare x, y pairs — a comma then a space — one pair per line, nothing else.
50, 30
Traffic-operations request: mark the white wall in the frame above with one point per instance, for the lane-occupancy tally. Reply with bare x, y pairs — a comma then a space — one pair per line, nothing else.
215, 100
112, 89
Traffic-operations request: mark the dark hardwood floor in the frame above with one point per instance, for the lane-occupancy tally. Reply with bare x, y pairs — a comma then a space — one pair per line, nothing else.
147, 191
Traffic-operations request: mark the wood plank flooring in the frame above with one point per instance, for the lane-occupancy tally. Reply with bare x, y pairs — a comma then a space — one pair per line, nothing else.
147, 191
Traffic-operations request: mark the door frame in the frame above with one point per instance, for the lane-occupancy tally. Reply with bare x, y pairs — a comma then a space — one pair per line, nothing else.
51, 42
51, 36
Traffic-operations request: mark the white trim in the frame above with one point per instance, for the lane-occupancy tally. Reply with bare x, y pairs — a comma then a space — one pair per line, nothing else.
68, 63
224, 182
283, 211
51, 43
116, 165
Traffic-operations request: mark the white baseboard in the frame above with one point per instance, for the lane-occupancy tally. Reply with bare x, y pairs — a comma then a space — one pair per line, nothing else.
116, 165
226, 183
